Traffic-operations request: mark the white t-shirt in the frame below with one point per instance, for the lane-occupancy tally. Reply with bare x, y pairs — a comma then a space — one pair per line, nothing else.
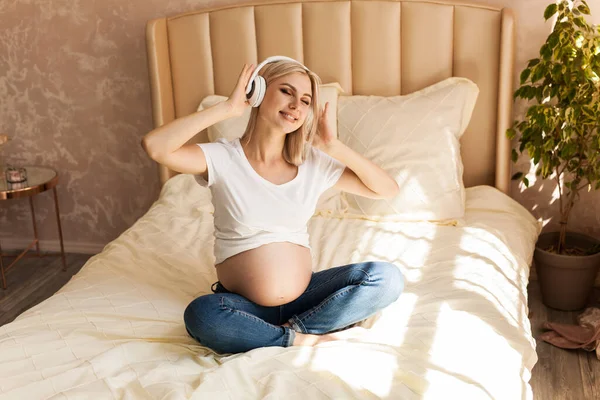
250, 211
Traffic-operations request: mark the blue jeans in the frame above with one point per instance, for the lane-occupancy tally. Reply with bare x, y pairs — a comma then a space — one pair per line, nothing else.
334, 299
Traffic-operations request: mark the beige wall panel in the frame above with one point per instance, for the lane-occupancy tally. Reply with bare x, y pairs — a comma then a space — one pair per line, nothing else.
326, 32
279, 31
190, 61
376, 48
476, 59
233, 40
426, 35
159, 69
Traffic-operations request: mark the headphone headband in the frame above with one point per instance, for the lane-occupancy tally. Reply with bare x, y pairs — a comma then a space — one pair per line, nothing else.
267, 61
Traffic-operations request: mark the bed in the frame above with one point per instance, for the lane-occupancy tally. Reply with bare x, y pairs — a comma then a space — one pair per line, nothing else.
459, 330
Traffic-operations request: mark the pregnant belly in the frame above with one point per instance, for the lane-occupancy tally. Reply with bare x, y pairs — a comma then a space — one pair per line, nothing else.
269, 275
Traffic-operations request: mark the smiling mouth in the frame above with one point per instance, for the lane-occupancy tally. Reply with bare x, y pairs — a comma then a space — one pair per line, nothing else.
288, 116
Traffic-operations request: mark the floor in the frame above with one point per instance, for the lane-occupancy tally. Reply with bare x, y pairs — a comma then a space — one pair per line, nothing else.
33, 280
559, 374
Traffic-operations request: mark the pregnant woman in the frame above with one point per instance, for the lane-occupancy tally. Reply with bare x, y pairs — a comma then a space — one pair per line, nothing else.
265, 186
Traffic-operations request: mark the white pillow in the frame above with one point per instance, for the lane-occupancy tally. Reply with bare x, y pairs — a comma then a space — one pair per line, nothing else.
234, 128
415, 138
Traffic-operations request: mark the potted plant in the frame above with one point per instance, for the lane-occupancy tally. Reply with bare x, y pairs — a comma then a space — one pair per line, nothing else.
561, 133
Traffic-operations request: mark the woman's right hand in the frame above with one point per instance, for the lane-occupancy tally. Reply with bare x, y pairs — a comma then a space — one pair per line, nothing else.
237, 100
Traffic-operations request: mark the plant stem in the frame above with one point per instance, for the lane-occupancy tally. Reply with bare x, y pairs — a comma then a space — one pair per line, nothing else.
564, 219
560, 192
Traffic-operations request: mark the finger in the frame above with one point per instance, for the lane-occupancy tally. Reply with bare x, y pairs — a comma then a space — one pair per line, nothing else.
249, 72
243, 73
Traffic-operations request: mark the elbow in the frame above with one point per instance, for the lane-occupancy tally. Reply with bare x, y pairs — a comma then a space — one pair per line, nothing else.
148, 148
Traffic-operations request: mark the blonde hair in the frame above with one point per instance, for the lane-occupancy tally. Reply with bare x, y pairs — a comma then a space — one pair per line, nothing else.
297, 143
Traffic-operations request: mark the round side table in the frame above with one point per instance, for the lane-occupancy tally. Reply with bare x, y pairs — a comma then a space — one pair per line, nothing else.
39, 179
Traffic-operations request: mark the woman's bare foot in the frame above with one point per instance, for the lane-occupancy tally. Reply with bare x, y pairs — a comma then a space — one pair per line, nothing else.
306, 339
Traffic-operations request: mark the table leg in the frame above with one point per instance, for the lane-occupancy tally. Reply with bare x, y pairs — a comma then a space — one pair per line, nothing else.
35, 233
62, 248
2, 269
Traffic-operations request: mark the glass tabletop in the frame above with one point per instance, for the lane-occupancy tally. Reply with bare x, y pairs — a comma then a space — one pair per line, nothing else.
38, 179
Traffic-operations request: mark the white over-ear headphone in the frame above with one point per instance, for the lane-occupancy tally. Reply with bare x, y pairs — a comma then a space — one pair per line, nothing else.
257, 86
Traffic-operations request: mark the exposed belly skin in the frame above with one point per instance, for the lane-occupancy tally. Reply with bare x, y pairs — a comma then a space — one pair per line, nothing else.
269, 275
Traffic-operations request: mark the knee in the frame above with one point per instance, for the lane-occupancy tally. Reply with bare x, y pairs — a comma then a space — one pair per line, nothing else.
389, 279
197, 318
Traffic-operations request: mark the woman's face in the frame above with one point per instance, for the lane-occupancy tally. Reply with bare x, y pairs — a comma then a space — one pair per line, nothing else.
287, 102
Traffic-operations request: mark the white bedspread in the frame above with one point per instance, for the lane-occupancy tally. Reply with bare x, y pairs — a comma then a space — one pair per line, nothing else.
460, 330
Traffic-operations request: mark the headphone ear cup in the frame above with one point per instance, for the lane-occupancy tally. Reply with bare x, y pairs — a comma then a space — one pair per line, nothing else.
260, 87
251, 92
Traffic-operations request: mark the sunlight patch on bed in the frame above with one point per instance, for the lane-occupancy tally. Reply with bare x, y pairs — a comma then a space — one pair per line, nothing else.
391, 325
362, 368
389, 242
456, 331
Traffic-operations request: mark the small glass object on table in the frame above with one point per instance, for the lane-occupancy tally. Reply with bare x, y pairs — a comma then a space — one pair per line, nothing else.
38, 180
15, 174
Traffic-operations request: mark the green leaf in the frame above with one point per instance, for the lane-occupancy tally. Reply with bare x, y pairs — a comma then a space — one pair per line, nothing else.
511, 133
514, 155
553, 39
526, 182
537, 154
584, 9
533, 62
550, 11
524, 75
516, 176
568, 150
569, 113
589, 74
518, 93
546, 52
580, 22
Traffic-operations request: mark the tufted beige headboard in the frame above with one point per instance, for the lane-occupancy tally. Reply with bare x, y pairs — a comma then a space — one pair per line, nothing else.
370, 47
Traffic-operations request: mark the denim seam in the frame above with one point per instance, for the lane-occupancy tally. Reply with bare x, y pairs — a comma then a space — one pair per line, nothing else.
327, 301
288, 337
333, 277
297, 325
330, 299
245, 314
297, 321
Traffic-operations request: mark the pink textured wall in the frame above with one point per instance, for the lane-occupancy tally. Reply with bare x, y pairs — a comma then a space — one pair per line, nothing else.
74, 95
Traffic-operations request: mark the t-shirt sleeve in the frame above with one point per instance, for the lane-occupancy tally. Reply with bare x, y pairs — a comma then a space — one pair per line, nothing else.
329, 168
217, 159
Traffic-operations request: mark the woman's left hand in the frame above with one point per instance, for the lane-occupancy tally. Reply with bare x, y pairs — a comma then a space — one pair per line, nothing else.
325, 135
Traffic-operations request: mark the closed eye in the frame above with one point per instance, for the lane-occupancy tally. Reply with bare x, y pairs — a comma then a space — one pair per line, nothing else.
290, 93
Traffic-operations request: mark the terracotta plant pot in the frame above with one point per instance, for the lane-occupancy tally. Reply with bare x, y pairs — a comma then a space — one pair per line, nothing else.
565, 281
